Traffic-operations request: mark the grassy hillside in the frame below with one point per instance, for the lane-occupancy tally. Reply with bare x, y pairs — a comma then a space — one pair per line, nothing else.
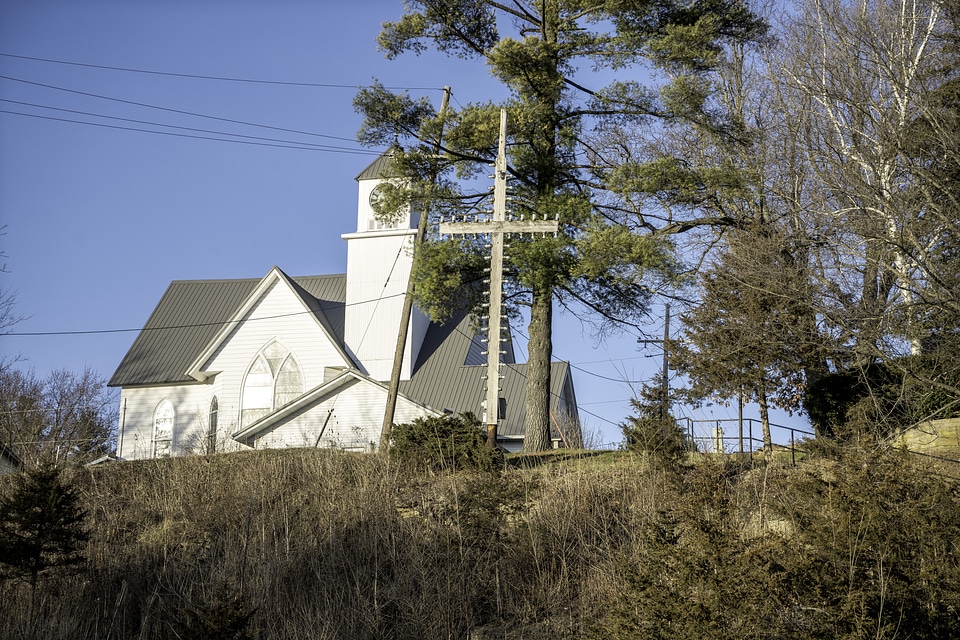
320, 544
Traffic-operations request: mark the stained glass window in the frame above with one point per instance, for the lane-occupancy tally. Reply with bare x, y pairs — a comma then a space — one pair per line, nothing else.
273, 380
163, 421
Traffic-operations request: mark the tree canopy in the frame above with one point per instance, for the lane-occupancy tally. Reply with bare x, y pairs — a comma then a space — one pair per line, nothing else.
834, 201
604, 261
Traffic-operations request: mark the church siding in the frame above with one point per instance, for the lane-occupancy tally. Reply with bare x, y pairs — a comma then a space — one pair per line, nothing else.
292, 326
297, 330
354, 424
137, 406
378, 265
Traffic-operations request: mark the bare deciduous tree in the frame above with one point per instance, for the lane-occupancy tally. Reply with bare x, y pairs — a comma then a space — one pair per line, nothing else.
862, 69
67, 416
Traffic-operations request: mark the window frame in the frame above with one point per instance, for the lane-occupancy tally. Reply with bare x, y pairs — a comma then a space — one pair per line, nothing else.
273, 359
212, 418
167, 413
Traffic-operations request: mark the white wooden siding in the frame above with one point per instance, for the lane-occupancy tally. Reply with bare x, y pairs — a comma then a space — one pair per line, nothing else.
355, 419
378, 268
192, 407
279, 316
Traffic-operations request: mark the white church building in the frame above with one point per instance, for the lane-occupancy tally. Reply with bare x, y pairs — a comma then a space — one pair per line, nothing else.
287, 361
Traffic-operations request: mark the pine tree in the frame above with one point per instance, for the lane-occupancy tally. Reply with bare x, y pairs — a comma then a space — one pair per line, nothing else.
652, 429
748, 334
41, 527
605, 259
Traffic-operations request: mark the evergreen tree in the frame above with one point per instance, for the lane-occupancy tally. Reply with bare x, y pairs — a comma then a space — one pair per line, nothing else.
748, 333
603, 259
41, 527
653, 430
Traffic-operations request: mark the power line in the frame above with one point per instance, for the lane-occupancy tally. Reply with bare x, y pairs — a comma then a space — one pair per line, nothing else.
205, 77
580, 407
515, 368
171, 110
298, 144
293, 145
581, 369
275, 317
214, 323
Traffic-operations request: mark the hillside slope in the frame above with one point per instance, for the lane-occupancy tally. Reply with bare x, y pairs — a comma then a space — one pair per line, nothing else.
320, 544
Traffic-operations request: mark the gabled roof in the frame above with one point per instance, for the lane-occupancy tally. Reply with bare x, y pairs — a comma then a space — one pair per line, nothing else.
276, 276
380, 168
192, 313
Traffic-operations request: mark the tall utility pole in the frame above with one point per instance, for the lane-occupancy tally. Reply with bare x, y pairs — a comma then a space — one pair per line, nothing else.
665, 402
665, 380
407, 310
496, 227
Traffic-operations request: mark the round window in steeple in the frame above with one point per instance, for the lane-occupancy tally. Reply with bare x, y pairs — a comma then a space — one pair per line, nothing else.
376, 197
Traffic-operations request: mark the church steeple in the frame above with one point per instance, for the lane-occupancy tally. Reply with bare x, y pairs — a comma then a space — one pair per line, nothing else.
371, 181
379, 260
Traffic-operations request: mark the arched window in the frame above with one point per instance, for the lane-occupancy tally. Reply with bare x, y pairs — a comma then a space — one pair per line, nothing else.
273, 380
212, 426
163, 422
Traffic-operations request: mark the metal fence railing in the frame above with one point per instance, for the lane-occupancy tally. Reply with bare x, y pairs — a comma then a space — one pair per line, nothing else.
745, 436
736, 436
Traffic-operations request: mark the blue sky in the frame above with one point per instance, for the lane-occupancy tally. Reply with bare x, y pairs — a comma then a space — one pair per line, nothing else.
101, 217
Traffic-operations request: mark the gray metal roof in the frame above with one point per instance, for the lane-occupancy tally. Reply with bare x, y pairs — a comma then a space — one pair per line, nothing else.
441, 380
192, 312
379, 168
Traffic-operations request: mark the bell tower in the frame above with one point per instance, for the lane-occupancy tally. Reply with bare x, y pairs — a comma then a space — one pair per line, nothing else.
379, 261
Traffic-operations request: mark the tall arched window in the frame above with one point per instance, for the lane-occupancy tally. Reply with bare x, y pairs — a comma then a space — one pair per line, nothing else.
163, 421
212, 426
273, 380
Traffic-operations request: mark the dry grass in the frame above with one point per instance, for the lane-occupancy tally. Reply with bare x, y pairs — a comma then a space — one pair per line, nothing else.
322, 544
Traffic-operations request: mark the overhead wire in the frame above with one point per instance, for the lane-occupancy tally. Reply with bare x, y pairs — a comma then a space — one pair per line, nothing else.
196, 325
271, 317
596, 375
552, 393
580, 407
184, 112
323, 147
208, 77
172, 110
279, 144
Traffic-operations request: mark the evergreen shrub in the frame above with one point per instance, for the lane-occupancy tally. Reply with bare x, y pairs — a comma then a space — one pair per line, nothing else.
449, 442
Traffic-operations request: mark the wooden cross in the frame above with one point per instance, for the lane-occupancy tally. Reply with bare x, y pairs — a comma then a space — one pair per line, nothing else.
496, 228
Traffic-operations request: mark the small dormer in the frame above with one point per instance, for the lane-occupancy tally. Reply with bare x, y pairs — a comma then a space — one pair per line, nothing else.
370, 183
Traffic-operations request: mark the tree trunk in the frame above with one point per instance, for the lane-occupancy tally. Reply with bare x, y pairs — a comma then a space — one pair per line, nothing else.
34, 577
765, 422
540, 347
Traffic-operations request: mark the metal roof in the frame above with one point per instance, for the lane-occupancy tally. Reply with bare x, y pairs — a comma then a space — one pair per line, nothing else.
192, 312
379, 168
441, 379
